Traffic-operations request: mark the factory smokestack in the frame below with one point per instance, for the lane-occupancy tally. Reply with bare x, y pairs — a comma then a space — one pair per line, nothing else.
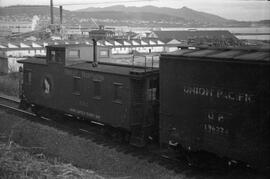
61, 14
51, 11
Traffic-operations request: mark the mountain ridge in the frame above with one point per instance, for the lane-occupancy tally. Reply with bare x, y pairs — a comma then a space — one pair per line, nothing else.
186, 13
162, 10
136, 16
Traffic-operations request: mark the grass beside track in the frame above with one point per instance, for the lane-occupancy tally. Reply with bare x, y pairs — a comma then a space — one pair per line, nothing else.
17, 162
9, 84
80, 152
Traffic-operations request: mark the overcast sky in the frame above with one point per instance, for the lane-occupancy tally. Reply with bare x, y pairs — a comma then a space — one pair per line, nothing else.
230, 9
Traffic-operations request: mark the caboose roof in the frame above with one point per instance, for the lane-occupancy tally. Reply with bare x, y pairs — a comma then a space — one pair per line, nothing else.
112, 68
40, 61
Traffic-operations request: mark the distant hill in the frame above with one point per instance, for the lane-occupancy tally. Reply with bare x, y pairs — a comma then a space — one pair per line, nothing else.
262, 23
149, 16
132, 16
197, 17
184, 13
27, 10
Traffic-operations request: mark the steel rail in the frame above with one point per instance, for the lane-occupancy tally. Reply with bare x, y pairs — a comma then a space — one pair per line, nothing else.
171, 161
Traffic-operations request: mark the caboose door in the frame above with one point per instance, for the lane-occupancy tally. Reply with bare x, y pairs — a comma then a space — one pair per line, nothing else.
137, 111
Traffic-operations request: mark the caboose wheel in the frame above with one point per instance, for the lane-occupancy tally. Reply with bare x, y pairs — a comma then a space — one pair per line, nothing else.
120, 136
24, 105
117, 135
35, 109
127, 137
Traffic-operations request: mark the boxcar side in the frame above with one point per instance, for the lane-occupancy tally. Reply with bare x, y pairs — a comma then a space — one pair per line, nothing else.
217, 103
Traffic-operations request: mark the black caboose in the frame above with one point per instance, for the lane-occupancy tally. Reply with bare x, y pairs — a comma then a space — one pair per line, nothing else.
70, 81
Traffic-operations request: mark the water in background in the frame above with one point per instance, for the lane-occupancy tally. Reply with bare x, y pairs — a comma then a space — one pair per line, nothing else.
257, 30
231, 29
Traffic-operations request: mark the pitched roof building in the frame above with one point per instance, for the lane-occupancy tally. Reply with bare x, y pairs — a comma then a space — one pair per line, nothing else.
199, 37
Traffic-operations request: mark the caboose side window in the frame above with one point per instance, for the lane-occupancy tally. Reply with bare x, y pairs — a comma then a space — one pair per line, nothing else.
97, 89
76, 85
56, 56
117, 92
53, 58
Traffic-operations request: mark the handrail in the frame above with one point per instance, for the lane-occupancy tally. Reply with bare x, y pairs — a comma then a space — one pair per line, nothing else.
145, 59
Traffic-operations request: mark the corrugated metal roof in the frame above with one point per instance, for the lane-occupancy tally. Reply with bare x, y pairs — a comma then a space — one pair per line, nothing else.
41, 61
200, 53
253, 56
180, 52
228, 54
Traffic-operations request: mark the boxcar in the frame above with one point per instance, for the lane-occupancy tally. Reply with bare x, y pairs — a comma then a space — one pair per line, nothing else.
68, 81
217, 100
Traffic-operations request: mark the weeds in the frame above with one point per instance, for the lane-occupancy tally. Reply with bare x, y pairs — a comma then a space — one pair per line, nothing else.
15, 162
9, 84
40, 140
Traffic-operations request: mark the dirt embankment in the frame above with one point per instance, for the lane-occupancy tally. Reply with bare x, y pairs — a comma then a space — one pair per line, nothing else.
9, 84
19, 162
77, 151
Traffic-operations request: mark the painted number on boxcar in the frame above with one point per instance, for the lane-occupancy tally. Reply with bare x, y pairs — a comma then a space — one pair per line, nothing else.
215, 123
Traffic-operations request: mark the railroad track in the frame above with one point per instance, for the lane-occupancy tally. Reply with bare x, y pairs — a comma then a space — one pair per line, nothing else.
8, 100
11, 104
89, 131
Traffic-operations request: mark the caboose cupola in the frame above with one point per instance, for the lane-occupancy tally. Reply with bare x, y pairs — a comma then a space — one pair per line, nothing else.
76, 53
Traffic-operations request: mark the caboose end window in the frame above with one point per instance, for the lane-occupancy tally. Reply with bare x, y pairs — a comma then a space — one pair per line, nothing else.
56, 56
53, 58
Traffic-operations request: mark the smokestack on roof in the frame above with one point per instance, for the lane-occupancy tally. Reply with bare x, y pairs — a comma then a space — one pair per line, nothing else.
95, 62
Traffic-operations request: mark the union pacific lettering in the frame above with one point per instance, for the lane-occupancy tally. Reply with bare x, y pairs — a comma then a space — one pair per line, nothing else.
219, 93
